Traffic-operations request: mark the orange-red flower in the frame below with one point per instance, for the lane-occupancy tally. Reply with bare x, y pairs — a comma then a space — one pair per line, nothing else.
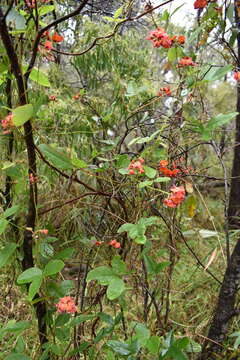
236, 75
166, 171
57, 38
200, 4
176, 169
32, 3
159, 38
7, 123
164, 91
219, 9
163, 163
66, 304
52, 97
181, 39
48, 45
136, 165
176, 198
186, 61
114, 243
43, 231
76, 97
32, 179
98, 243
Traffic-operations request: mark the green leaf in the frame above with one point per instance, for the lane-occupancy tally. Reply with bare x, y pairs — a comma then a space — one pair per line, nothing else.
53, 267
137, 231
17, 356
205, 233
22, 114
6, 253
82, 318
3, 225
139, 140
150, 172
123, 171
152, 266
38, 76
143, 184
15, 20
10, 211
63, 333
103, 274
233, 38
43, 10
34, 287
162, 179
194, 347
176, 349
108, 18
118, 12
62, 319
134, 89
119, 347
13, 326
217, 74
142, 333
220, 120
153, 344
29, 275
141, 239
115, 288
51, 239
79, 163
119, 266
65, 287
174, 53
59, 290
3, 67
122, 161
46, 250
176, 354
56, 158
64, 254
152, 220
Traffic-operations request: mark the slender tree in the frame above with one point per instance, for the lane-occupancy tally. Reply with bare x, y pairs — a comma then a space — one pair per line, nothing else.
226, 306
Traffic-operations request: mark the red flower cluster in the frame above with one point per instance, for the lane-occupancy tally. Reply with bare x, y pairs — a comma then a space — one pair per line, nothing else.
7, 123
98, 243
76, 97
43, 231
159, 37
50, 39
136, 165
177, 168
52, 97
164, 91
32, 3
181, 39
236, 75
168, 172
32, 179
186, 61
66, 304
200, 4
176, 198
114, 243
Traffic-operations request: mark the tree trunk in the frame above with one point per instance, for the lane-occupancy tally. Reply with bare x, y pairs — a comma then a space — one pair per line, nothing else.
225, 308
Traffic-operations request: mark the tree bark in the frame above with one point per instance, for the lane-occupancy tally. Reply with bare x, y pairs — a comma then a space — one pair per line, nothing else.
27, 261
225, 308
